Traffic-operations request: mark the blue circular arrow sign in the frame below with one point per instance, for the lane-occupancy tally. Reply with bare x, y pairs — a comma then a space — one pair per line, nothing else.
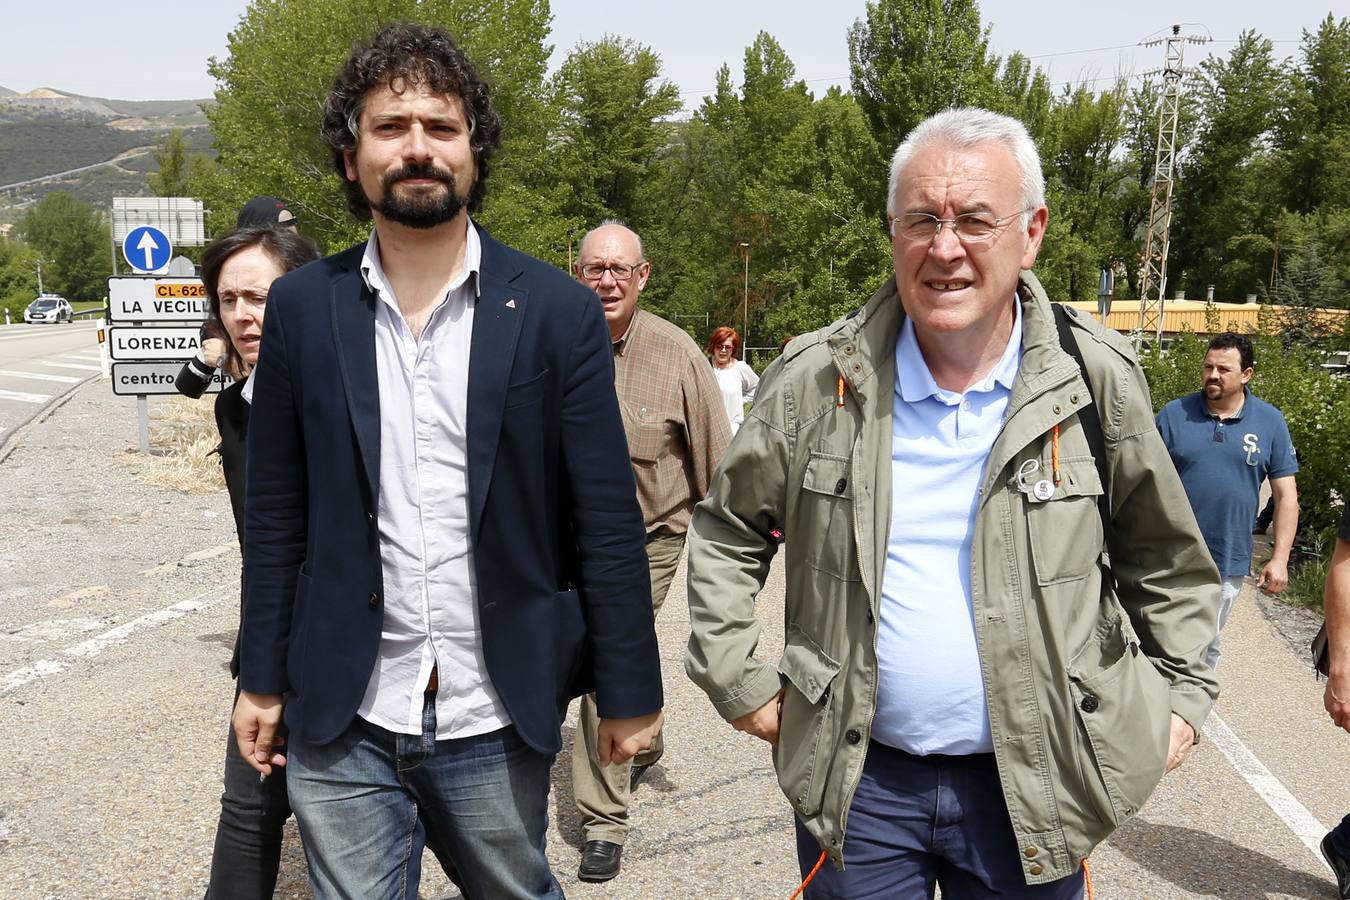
147, 249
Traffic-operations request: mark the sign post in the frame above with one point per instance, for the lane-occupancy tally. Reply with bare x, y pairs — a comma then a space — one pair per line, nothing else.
154, 327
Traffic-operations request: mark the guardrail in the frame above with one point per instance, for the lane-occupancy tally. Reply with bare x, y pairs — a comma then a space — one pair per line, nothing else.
91, 313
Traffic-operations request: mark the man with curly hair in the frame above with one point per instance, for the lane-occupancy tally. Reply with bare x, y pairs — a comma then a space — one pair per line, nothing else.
445, 545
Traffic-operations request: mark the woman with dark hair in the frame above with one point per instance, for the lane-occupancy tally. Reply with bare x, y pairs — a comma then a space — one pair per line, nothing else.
238, 270
735, 378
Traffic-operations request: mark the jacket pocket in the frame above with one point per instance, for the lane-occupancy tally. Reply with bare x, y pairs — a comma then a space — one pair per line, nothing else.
526, 392
806, 726
1123, 721
825, 516
1066, 530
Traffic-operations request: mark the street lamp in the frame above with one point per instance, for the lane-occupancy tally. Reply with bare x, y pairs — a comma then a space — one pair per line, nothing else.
745, 304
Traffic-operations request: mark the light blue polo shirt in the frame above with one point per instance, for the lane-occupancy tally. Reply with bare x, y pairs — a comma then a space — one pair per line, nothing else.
930, 696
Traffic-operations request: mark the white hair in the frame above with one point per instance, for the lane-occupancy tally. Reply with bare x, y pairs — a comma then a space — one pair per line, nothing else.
969, 127
642, 257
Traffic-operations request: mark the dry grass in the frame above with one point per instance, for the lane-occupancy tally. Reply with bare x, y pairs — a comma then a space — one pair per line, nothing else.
182, 437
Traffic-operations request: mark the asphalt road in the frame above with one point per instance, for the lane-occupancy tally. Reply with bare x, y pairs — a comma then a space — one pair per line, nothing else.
117, 612
40, 363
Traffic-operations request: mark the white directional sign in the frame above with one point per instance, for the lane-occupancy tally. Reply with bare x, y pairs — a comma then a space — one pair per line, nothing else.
141, 378
147, 249
133, 299
152, 343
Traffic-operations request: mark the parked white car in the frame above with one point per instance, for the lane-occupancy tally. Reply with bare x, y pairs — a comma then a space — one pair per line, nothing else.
49, 308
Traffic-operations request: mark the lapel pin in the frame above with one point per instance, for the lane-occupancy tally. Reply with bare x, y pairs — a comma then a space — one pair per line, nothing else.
511, 304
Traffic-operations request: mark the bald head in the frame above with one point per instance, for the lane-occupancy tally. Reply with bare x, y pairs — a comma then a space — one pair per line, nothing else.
611, 263
615, 230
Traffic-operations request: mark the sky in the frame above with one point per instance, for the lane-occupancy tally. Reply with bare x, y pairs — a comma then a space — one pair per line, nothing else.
158, 49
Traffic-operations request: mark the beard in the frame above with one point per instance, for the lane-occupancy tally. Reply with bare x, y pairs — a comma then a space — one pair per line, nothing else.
420, 208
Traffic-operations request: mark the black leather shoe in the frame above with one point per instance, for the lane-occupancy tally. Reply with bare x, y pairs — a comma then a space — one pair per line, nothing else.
599, 861
1339, 865
635, 775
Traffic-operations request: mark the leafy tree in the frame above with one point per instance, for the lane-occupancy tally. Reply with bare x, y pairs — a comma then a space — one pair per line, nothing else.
909, 59
72, 241
1314, 128
613, 103
18, 277
177, 169
1226, 210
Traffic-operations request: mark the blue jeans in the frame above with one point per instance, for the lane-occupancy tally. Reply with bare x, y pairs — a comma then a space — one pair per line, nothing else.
920, 821
358, 800
1228, 593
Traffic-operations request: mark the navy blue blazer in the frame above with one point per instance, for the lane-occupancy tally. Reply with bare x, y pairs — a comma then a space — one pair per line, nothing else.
563, 588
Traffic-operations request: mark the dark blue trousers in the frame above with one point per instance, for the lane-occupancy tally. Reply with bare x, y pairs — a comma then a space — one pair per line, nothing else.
919, 822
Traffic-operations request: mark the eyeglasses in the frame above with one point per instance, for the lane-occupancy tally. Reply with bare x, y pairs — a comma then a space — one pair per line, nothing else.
620, 271
970, 228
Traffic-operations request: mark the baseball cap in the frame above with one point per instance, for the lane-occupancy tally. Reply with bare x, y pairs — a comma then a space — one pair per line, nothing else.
261, 211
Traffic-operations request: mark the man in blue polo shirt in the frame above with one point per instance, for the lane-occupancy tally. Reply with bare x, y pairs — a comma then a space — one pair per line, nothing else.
1225, 442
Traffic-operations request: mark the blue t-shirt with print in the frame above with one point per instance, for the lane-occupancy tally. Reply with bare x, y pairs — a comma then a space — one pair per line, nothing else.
1222, 464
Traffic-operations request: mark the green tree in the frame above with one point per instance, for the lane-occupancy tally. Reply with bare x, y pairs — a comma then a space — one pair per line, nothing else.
72, 242
613, 104
18, 277
1227, 200
909, 59
177, 169
1314, 128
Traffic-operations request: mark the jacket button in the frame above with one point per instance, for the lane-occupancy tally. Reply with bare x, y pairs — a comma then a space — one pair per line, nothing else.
1089, 704
1035, 869
857, 367
840, 485
848, 351
1057, 409
1073, 398
1030, 852
370, 518
853, 736
374, 599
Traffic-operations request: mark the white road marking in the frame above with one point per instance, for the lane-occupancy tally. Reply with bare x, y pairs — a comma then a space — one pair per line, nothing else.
45, 668
40, 376
24, 397
80, 366
54, 629
1294, 814
83, 357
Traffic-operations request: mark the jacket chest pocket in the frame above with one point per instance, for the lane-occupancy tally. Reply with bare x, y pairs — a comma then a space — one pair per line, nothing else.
1066, 529
825, 517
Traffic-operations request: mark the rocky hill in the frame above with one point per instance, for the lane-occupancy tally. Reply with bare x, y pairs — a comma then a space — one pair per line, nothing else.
94, 147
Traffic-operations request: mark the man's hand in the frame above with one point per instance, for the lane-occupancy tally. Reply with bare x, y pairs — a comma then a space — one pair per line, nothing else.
1336, 699
763, 723
1183, 739
1274, 576
622, 739
256, 717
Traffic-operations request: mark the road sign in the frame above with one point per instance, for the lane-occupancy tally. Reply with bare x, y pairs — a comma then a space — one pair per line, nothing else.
153, 343
141, 299
178, 217
147, 249
141, 378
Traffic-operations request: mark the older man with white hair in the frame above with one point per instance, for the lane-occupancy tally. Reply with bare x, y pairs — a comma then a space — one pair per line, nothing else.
998, 600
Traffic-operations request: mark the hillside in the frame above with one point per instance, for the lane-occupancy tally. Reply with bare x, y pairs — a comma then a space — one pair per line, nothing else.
99, 147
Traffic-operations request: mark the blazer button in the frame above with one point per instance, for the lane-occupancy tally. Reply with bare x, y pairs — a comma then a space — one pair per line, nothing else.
1089, 704
374, 599
1030, 852
840, 485
1035, 869
853, 736
370, 518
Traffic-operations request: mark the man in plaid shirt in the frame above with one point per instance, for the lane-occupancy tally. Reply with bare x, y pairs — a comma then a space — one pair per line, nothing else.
677, 429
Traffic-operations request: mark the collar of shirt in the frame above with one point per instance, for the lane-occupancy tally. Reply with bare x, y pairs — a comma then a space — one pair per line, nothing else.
1235, 417
914, 382
621, 345
373, 273
247, 390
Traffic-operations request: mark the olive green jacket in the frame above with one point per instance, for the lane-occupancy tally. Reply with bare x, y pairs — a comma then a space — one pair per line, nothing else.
1085, 645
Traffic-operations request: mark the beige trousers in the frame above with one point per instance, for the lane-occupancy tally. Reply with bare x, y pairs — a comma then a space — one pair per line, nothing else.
602, 791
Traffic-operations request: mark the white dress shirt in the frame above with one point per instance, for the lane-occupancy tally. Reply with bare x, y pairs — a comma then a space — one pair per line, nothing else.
430, 588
